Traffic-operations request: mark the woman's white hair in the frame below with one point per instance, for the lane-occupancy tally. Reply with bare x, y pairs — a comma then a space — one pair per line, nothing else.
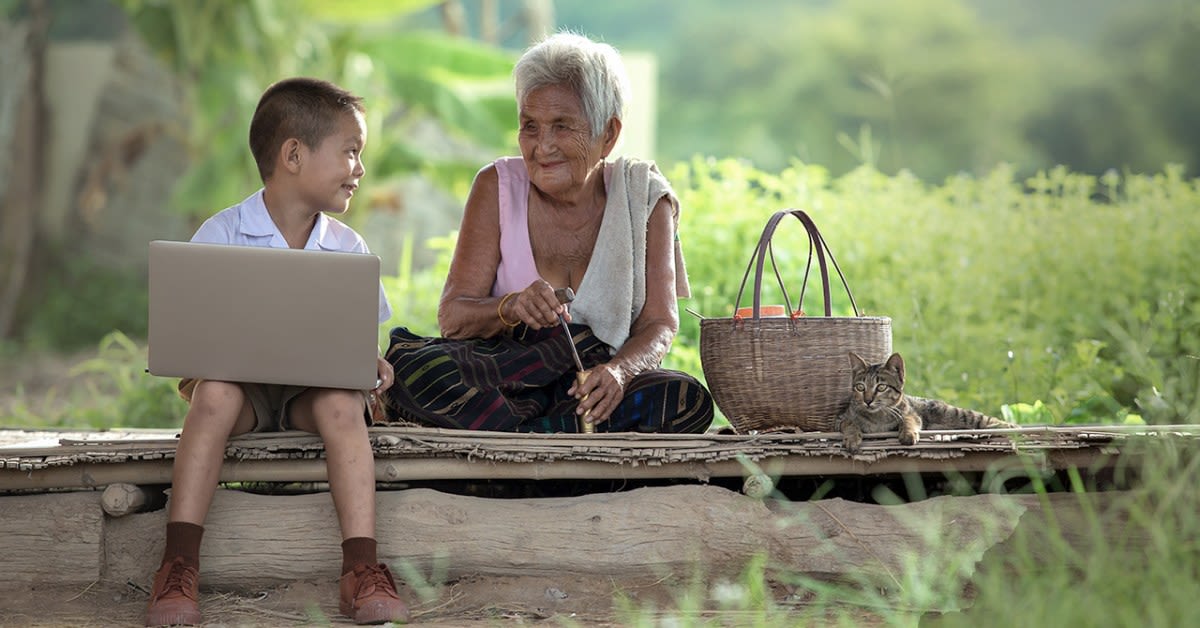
592, 70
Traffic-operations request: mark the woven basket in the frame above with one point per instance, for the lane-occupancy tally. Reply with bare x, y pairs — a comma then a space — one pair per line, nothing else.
787, 372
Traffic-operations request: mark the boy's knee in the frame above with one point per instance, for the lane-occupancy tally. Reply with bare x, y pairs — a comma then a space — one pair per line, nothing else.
213, 397
339, 408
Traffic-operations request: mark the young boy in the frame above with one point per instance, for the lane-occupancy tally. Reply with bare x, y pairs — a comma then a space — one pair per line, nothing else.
307, 137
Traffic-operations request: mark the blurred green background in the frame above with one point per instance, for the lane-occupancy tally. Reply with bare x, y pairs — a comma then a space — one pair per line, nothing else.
1011, 182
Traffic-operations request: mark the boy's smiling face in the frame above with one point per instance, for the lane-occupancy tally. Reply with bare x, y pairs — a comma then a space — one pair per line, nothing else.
330, 172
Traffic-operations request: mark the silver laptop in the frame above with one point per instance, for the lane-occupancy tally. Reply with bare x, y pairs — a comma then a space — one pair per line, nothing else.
268, 315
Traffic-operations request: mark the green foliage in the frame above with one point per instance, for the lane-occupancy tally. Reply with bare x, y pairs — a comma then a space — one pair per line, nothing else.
107, 390
1127, 568
362, 11
939, 90
226, 53
462, 84
943, 86
87, 302
1128, 558
138, 399
414, 295
1062, 289
1120, 102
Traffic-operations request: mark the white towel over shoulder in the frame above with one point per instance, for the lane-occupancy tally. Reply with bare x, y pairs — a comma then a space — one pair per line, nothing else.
613, 290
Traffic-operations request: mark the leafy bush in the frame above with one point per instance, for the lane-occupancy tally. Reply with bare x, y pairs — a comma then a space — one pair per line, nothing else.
414, 295
110, 389
1063, 289
85, 303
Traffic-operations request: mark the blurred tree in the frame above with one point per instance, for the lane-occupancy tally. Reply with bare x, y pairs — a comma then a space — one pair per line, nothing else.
93, 150
937, 91
97, 142
22, 115
934, 86
1127, 100
226, 52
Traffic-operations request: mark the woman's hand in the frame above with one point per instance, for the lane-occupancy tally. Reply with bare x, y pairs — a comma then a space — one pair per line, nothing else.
386, 375
600, 392
536, 306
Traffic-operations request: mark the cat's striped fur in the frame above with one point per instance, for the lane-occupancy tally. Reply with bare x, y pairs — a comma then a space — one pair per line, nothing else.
878, 404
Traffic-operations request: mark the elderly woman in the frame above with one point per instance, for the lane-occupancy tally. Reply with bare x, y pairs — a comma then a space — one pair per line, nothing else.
558, 216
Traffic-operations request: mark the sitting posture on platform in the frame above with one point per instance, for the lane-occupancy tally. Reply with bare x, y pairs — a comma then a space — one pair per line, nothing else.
878, 404
306, 136
559, 216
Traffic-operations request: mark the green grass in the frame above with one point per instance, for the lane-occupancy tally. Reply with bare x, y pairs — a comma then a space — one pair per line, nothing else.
1063, 289
107, 388
1124, 558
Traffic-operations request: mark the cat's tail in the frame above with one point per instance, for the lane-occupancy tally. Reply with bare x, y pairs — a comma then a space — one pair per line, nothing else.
938, 414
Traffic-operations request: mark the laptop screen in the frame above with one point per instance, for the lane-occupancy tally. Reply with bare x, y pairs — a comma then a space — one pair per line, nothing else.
268, 315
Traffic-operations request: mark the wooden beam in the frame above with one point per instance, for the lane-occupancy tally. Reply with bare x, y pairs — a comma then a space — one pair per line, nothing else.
95, 475
53, 538
259, 540
123, 499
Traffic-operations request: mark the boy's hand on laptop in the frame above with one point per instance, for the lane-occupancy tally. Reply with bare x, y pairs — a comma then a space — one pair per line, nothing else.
386, 375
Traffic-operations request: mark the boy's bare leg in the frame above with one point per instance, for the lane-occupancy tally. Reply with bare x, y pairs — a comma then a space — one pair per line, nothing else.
218, 410
337, 415
367, 589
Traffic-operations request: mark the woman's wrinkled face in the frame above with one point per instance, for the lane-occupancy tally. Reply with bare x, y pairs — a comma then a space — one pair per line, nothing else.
556, 140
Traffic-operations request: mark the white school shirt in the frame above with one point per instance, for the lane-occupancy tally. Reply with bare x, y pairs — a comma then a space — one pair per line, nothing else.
249, 224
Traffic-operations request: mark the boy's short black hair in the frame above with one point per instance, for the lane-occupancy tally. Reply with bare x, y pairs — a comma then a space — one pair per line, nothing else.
304, 108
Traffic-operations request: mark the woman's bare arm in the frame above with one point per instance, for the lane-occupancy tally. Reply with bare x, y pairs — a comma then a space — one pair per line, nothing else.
467, 308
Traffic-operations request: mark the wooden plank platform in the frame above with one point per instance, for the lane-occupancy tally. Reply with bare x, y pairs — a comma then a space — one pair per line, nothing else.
47, 460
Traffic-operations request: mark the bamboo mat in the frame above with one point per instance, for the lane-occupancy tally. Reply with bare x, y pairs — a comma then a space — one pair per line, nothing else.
65, 459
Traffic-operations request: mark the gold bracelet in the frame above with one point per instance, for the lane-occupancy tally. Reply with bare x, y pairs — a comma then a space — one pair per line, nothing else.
500, 310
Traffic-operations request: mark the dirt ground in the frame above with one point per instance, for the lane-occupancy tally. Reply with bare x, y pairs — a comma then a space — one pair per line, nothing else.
467, 603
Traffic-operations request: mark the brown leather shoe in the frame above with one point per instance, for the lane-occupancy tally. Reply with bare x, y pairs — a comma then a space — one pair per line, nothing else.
174, 598
369, 596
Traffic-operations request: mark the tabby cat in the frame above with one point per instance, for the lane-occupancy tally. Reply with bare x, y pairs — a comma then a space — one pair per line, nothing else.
878, 404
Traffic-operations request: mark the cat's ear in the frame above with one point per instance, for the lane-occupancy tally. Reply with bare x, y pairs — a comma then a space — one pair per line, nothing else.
896, 363
857, 364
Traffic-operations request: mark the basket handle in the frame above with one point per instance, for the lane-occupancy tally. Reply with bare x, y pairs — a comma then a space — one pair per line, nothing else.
815, 241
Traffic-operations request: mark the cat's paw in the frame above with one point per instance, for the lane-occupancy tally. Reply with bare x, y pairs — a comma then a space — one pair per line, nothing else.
853, 444
909, 438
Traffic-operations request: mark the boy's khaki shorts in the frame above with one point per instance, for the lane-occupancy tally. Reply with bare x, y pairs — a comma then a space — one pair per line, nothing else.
270, 403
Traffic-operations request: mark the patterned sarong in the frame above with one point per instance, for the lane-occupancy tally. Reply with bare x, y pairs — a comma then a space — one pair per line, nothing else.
519, 383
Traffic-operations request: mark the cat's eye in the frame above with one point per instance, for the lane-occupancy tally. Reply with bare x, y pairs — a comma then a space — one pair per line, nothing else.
859, 387
881, 388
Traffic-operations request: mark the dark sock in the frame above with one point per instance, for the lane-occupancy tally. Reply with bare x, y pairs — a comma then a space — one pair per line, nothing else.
359, 550
183, 541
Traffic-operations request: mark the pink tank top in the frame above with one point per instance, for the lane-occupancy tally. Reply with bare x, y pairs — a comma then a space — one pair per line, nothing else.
517, 269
